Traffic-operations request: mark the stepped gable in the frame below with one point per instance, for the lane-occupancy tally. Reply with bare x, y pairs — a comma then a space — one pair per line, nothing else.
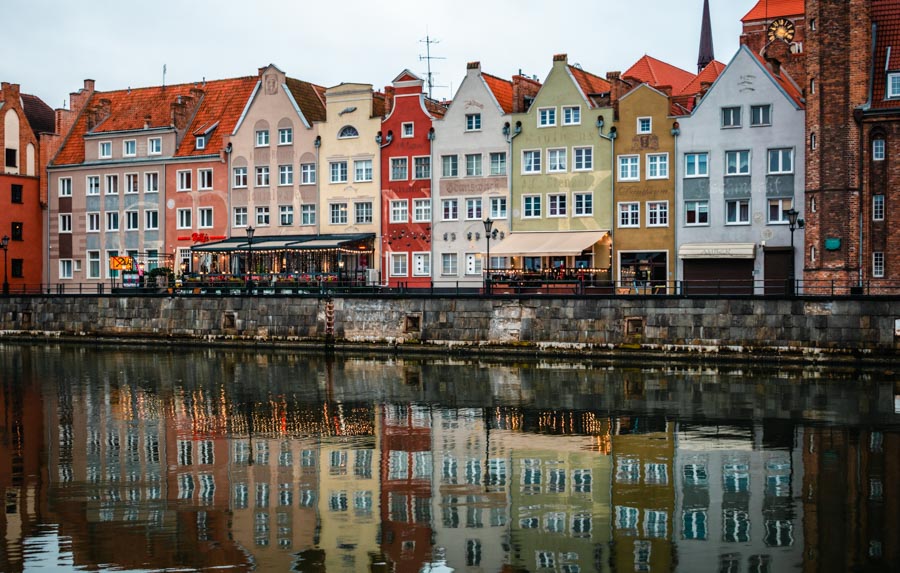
769, 9
886, 56
310, 98
221, 105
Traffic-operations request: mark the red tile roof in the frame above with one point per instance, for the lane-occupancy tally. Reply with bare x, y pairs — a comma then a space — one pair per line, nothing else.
658, 73
502, 90
781, 78
886, 17
223, 102
40, 116
590, 84
707, 75
310, 98
378, 104
436, 108
768, 9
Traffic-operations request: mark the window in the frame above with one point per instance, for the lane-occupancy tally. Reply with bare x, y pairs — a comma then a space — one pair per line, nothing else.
262, 176
407, 129
285, 215
262, 216
450, 209
65, 223
240, 176
154, 146
421, 210
696, 213
183, 219
893, 85
347, 132
878, 264
93, 264
151, 182
205, 177
571, 115
262, 138
556, 160
644, 125
531, 161
240, 216
307, 174
112, 221
131, 183
760, 115
93, 185
205, 214
878, 149
17, 231
132, 221
473, 165
307, 214
629, 167
737, 212
878, 207
781, 161
546, 116
696, 165
531, 206
184, 180
731, 116
151, 220
285, 136
15, 193
737, 163
473, 121
363, 212
473, 208
93, 222
65, 187
285, 174
777, 207
450, 166
658, 166
398, 265
657, 213
557, 205
473, 267
498, 207
449, 264
421, 168
498, 163
200, 142
65, 268
584, 204
812, 141
629, 214
129, 148
399, 169
105, 149
338, 213
12, 157
584, 158
399, 211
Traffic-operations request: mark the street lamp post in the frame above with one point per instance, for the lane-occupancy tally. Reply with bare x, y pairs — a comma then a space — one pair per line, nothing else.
488, 225
793, 224
4, 244
250, 232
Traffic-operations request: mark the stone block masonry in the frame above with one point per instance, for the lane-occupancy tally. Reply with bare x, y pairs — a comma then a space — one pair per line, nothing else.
747, 328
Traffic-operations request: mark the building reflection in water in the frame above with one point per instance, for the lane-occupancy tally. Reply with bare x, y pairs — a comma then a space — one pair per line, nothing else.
267, 461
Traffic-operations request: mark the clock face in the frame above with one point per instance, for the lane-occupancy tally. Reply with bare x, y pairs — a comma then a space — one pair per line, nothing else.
781, 29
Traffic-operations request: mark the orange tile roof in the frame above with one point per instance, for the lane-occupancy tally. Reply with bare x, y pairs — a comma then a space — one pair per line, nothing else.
436, 108
223, 102
310, 98
589, 83
886, 16
707, 75
502, 90
782, 79
768, 9
658, 73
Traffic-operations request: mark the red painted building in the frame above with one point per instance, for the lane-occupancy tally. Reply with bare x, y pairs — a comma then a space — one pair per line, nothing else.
406, 164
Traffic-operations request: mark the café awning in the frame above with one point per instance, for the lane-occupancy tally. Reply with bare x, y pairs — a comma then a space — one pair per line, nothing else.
287, 243
546, 244
717, 251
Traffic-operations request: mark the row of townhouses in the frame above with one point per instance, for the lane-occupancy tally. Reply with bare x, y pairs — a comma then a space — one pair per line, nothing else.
642, 179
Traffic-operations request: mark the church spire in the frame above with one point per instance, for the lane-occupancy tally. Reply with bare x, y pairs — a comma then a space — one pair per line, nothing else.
706, 44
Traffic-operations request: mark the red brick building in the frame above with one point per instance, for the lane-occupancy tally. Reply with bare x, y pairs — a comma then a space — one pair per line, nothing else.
406, 164
785, 20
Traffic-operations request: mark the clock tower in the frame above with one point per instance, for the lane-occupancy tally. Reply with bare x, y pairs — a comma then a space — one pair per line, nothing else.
780, 26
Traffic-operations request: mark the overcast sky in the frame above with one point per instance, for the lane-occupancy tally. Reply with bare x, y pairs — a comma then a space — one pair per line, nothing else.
53, 45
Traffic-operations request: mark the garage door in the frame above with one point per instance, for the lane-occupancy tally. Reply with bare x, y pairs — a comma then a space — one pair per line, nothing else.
718, 276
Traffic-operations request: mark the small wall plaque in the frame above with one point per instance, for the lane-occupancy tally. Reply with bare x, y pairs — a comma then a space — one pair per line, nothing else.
832, 244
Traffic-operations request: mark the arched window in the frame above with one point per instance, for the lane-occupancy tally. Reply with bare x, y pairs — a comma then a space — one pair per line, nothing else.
878, 149
348, 131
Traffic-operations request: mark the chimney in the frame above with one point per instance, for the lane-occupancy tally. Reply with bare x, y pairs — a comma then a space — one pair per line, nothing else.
10, 91
261, 70
560, 57
388, 99
89, 85
473, 66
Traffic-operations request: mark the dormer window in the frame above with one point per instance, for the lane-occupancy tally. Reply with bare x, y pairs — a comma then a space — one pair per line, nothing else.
201, 142
347, 132
129, 148
408, 129
893, 85
105, 149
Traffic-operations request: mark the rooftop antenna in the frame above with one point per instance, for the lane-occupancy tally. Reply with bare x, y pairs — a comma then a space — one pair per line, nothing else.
164, 75
428, 57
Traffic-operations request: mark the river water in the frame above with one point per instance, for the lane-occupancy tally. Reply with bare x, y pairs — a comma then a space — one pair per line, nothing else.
151, 459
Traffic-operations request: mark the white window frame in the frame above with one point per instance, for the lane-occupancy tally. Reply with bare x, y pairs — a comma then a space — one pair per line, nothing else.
562, 161
738, 219
263, 216
307, 174
240, 216
421, 264
348, 132
154, 146
65, 186
104, 150
112, 183
629, 214
200, 142
262, 138
738, 153
558, 202
643, 125
362, 170
661, 162
239, 175
451, 161
112, 221
93, 257
133, 151
631, 163
204, 213
399, 211
878, 148
474, 208
285, 175
407, 129
132, 185
132, 220
92, 222
65, 269
546, 116
878, 207
532, 166
728, 113
586, 207
765, 109
498, 163
695, 172
91, 190
399, 264
285, 215
205, 179
363, 213
151, 182
307, 214
184, 219
474, 264
450, 207
184, 180
697, 210
395, 164
498, 208
261, 176
571, 115
151, 220
65, 223
422, 167
659, 210
421, 210
780, 168
449, 265
474, 164
781, 205
285, 136
338, 213
878, 264
529, 202
583, 155
892, 90
473, 122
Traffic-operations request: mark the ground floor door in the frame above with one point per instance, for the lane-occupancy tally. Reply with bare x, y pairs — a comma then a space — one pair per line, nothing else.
718, 276
777, 270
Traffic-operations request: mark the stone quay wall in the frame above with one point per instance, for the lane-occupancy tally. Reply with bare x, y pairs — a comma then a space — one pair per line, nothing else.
805, 328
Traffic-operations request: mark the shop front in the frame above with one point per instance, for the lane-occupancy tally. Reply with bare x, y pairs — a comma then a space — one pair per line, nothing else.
717, 268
